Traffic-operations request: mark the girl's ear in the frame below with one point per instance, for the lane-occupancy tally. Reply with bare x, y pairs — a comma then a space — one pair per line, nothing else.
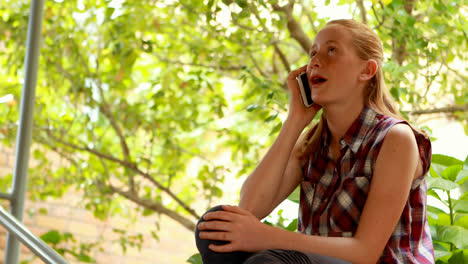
369, 70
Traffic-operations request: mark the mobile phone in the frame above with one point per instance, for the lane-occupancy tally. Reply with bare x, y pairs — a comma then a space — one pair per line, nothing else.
304, 87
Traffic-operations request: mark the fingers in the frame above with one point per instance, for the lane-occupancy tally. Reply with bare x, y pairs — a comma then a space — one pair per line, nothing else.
293, 74
220, 236
214, 225
220, 215
222, 248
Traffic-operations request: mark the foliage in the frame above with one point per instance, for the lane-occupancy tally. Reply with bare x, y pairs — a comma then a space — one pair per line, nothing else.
195, 259
139, 99
449, 222
58, 241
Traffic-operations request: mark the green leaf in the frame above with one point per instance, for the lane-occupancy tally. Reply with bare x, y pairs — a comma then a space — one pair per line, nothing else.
434, 212
252, 107
270, 95
454, 234
442, 219
443, 184
271, 117
276, 128
147, 212
465, 164
462, 176
52, 237
387, 2
85, 258
242, 3
43, 211
461, 219
461, 206
436, 170
292, 226
295, 195
195, 259
395, 93
440, 247
227, 2
439, 254
458, 257
445, 160
451, 172
434, 194
210, 4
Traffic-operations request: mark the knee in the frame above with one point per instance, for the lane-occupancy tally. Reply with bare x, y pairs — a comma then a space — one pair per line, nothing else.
202, 244
214, 209
209, 256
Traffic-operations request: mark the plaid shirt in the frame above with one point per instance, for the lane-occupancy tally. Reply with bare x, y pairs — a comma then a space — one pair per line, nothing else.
333, 194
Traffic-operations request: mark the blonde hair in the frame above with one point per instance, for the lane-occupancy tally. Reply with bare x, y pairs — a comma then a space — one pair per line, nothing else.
376, 96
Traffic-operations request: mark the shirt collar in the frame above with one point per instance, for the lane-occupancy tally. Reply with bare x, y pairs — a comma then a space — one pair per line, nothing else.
358, 130
356, 133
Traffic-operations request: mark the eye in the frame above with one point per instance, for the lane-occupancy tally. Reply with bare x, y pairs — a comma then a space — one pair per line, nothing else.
331, 50
313, 53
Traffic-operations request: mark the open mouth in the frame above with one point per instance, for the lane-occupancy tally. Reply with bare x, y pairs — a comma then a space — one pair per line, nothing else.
316, 79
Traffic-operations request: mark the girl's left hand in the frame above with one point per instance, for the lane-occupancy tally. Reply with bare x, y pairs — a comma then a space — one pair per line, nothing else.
237, 225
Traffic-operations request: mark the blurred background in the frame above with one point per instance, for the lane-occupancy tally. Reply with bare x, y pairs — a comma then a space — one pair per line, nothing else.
150, 112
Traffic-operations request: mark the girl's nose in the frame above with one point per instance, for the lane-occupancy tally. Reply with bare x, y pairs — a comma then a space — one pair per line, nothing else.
314, 62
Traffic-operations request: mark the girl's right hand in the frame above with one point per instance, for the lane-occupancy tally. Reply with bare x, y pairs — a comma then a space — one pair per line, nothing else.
298, 113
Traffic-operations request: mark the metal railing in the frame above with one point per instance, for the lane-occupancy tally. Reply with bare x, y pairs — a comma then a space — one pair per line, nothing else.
12, 222
35, 244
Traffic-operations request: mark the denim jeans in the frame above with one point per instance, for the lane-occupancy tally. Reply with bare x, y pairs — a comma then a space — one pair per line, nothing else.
276, 256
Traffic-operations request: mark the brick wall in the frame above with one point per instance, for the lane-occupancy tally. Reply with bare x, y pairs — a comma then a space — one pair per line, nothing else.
67, 215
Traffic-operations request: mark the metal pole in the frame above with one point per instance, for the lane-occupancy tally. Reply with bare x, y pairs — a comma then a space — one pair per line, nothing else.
23, 138
36, 245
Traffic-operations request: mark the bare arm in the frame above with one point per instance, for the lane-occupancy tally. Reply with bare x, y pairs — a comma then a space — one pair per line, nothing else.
397, 165
279, 171
275, 177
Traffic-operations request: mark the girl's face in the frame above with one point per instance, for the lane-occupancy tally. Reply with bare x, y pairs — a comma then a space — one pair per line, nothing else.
334, 68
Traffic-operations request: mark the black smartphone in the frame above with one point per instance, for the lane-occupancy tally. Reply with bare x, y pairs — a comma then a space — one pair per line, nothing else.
306, 93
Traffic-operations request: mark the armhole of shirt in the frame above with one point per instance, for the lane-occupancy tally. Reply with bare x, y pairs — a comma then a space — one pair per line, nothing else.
423, 145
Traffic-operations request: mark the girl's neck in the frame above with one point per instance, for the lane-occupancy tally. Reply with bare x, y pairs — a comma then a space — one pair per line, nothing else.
340, 118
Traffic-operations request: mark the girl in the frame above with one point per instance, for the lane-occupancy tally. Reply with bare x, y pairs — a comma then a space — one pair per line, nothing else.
361, 170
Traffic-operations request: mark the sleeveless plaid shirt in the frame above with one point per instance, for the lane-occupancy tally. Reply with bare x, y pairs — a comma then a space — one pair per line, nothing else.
333, 194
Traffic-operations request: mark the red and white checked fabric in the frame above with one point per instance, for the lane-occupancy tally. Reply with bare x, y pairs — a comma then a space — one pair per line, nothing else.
333, 194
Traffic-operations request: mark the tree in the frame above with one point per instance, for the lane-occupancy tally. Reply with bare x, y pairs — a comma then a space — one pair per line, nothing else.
130, 92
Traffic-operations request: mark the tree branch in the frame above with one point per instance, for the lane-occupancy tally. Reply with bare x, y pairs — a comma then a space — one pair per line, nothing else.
254, 61
294, 27
458, 74
377, 17
399, 51
309, 17
448, 109
152, 205
130, 165
132, 196
434, 75
104, 108
362, 11
217, 67
283, 58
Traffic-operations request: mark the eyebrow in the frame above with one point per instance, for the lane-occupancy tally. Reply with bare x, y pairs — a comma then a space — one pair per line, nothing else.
327, 42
